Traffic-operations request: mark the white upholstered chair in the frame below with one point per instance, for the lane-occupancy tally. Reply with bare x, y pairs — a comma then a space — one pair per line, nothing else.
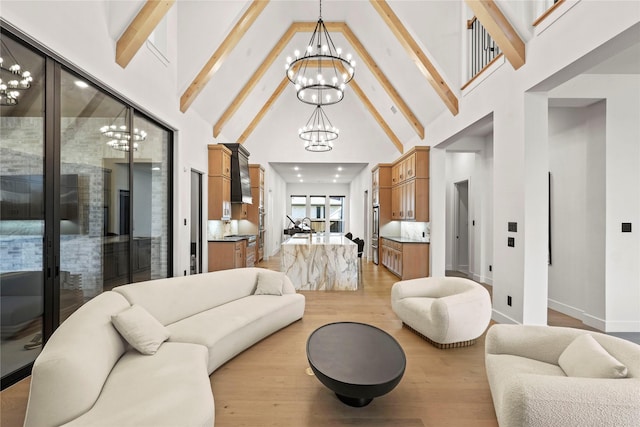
447, 311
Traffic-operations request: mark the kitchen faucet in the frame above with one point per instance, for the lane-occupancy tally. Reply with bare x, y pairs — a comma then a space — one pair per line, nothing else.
306, 217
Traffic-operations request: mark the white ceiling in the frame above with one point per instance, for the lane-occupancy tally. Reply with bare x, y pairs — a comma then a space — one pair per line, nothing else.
318, 173
206, 24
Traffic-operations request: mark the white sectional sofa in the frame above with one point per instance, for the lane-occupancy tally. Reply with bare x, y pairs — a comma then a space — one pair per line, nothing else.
88, 375
547, 376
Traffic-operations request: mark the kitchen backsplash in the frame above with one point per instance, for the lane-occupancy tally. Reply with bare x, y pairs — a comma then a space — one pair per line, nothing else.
415, 230
218, 229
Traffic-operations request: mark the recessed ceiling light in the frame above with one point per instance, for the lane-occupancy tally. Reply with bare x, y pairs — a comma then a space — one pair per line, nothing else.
334, 180
295, 168
340, 168
81, 84
302, 180
299, 175
337, 176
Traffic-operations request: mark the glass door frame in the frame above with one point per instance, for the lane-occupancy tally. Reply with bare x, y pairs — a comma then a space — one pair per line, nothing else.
54, 64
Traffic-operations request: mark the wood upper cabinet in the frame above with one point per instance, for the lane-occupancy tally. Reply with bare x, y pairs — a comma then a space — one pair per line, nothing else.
219, 200
219, 194
219, 161
410, 186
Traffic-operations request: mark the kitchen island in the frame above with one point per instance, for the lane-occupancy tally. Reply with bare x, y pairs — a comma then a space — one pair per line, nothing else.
320, 262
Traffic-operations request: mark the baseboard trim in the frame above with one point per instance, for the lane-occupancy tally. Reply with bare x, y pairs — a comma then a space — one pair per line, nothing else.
622, 326
569, 310
499, 317
594, 322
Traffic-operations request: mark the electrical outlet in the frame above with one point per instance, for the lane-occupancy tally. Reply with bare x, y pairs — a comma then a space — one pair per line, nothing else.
509, 300
512, 226
511, 242
626, 227
185, 272
490, 268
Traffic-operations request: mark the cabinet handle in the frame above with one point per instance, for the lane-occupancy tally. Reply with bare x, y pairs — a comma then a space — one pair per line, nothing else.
409, 172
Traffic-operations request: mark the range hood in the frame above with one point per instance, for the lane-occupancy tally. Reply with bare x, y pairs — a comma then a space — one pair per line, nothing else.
240, 181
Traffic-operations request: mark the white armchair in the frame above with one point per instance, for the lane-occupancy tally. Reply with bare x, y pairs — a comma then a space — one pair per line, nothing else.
529, 387
447, 311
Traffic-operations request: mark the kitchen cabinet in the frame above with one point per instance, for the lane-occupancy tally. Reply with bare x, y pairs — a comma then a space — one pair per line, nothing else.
227, 255
219, 194
410, 186
381, 191
406, 260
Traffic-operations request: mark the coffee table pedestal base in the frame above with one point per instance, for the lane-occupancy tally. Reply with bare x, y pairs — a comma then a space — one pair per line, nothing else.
356, 402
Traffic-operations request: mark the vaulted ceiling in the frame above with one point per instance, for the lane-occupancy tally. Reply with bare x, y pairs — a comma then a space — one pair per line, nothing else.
231, 57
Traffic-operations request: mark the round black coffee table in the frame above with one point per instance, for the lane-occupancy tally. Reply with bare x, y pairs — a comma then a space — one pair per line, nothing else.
356, 361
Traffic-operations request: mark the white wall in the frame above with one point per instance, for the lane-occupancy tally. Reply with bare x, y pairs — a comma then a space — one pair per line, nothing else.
517, 100
622, 172
477, 168
577, 166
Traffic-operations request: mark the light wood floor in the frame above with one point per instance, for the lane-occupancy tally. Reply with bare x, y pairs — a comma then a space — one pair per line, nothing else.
268, 384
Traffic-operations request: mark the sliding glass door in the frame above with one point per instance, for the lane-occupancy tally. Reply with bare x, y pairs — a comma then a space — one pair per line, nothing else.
22, 209
85, 196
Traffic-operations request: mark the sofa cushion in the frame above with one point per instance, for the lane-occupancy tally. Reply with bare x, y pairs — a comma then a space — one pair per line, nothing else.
176, 298
229, 329
585, 357
269, 284
171, 388
140, 329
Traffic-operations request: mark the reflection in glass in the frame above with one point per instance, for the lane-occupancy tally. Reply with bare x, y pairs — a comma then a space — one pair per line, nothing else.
94, 250
336, 214
21, 211
150, 202
317, 213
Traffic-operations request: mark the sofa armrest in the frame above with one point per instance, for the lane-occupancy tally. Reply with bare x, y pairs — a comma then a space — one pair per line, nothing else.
463, 316
542, 343
544, 400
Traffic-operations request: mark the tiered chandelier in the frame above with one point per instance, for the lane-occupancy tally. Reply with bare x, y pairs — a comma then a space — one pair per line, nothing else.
120, 138
12, 79
318, 133
318, 81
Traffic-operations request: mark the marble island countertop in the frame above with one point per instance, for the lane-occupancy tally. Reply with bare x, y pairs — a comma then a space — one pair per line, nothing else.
318, 239
320, 262
405, 239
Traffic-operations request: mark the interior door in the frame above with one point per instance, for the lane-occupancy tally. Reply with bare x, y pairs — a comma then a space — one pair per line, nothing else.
462, 227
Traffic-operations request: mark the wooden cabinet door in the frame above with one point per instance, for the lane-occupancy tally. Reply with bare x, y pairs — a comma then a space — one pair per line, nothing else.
395, 174
239, 255
410, 167
396, 199
226, 165
410, 199
226, 197
421, 199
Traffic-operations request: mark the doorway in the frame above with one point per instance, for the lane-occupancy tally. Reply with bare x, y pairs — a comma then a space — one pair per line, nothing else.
365, 221
195, 251
462, 227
